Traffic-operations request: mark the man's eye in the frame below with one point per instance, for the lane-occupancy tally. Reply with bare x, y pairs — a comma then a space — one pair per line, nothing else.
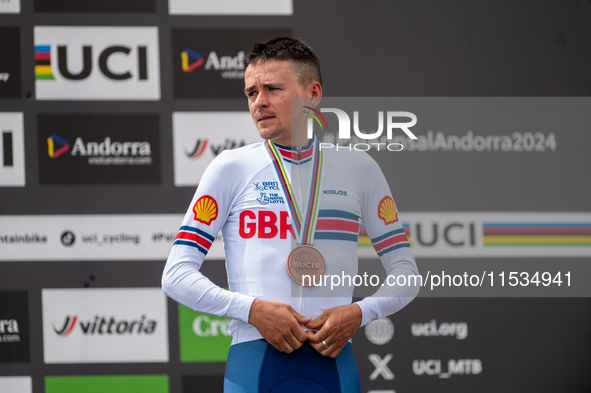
252, 93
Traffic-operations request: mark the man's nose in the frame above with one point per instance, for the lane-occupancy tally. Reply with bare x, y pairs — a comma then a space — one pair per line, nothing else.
261, 100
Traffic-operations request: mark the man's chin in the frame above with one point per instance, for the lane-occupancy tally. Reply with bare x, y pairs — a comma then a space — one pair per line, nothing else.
268, 134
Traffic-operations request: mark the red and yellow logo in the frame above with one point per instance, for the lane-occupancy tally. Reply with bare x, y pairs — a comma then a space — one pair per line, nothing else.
205, 209
387, 210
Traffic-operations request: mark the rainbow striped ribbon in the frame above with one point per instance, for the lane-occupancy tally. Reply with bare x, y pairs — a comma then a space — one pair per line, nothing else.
304, 225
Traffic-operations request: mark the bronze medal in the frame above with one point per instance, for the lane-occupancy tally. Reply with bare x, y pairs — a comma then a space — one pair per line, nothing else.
305, 260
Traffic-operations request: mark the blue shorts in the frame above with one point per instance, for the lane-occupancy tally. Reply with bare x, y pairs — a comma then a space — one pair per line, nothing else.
257, 367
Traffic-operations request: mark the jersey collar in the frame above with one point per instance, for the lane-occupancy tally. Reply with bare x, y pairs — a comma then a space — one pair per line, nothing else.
290, 154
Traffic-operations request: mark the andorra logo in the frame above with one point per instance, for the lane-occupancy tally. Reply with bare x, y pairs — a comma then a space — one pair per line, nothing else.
206, 210
51, 145
387, 210
198, 60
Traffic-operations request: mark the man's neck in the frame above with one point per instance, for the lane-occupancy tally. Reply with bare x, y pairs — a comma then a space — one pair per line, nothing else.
300, 141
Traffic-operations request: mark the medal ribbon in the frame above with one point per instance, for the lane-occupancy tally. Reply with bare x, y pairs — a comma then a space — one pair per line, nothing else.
303, 225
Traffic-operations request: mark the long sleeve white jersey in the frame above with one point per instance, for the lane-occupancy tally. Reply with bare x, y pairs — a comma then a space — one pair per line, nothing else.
240, 195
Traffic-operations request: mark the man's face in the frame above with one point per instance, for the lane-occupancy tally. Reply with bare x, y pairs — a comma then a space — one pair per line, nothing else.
269, 87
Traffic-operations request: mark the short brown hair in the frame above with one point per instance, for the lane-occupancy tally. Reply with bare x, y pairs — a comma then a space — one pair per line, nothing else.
291, 49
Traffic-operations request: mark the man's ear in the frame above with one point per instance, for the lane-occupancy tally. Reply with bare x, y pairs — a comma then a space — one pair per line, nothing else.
315, 94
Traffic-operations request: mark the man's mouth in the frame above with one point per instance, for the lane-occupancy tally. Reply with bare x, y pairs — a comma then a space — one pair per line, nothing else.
264, 118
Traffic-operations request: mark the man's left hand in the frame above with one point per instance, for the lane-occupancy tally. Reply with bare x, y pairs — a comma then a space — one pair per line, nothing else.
337, 326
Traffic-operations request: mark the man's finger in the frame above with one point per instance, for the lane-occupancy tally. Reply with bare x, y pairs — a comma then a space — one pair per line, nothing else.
284, 346
300, 318
317, 337
334, 352
318, 322
294, 342
299, 333
297, 329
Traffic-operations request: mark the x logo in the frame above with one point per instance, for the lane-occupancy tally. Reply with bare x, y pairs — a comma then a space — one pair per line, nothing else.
381, 366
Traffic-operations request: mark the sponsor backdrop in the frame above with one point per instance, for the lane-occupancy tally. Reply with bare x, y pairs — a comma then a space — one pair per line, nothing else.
110, 111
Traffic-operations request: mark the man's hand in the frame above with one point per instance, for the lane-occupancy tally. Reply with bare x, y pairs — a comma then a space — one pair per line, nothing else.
279, 324
337, 326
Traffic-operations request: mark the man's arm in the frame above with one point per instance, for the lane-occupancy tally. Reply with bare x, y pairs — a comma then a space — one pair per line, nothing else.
206, 215
182, 280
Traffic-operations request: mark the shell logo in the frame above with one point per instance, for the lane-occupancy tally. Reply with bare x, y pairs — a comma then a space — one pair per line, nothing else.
387, 210
205, 209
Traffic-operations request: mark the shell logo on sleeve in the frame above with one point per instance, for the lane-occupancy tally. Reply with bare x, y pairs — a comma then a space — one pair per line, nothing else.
206, 209
387, 210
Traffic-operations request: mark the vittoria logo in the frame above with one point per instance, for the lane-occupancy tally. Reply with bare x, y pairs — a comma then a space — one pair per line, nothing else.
198, 150
206, 210
106, 325
387, 210
216, 148
199, 137
68, 326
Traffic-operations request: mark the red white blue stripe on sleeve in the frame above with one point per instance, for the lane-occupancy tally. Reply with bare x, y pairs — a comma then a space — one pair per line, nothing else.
390, 241
194, 237
337, 225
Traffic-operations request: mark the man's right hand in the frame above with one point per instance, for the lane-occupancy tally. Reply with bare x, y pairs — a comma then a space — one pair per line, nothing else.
279, 324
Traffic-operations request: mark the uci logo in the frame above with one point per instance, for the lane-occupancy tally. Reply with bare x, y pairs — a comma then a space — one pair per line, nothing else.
104, 63
123, 54
450, 234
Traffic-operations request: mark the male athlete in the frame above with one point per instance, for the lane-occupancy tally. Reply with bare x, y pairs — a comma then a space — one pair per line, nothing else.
287, 337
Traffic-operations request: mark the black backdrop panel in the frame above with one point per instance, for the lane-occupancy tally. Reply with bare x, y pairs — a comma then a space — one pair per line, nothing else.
10, 62
372, 49
95, 6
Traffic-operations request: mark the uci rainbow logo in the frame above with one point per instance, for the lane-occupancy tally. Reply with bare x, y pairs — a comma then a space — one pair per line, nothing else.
313, 114
43, 63
52, 142
188, 53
